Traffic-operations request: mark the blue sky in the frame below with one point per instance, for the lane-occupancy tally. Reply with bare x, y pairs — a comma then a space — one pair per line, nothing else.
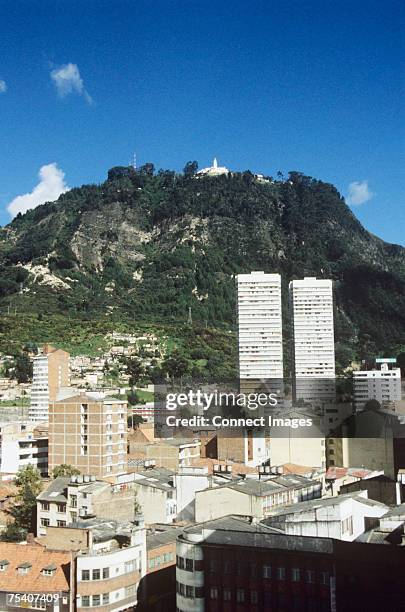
314, 86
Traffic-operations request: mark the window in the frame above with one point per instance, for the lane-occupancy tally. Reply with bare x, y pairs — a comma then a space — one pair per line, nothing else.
213, 593
295, 574
85, 574
129, 566
95, 600
61, 523
198, 565
106, 572
199, 591
213, 566
267, 598
61, 507
189, 565
85, 601
4, 565
129, 591
44, 505
254, 598
310, 576
73, 501
281, 573
106, 598
45, 522
266, 571
189, 591
47, 571
325, 578
227, 594
180, 562
96, 574
347, 525
240, 595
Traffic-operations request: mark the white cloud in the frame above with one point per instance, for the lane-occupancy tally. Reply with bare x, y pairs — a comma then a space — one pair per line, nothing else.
51, 185
3, 86
67, 80
359, 192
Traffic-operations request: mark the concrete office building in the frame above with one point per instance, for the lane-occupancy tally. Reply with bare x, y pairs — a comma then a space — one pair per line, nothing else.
260, 326
383, 385
50, 374
260, 344
89, 432
311, 304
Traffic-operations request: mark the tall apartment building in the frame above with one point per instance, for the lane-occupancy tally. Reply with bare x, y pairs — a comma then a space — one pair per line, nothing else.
383, 385
260, 326
311, 303
88, 432
260, 343
50, 374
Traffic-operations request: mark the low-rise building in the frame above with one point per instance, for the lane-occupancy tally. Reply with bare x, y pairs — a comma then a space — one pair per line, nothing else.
157, 589
343, 518
156, 494
383, 385
110, 561
235, 564
23, 444
254, 497
36, 578
67, 499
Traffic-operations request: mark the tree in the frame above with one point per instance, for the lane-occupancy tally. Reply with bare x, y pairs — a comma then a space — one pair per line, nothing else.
401, 363
23, 368
190, 168
175, 365
148, 169
23, 511
135, 370
137, 505
64, 470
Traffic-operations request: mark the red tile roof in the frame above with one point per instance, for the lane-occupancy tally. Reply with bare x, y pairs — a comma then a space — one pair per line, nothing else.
38, 558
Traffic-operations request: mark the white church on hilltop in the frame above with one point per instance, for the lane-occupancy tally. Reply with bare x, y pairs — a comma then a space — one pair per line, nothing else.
214, 170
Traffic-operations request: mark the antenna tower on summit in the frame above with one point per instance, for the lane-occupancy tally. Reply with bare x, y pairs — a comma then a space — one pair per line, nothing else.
134, 162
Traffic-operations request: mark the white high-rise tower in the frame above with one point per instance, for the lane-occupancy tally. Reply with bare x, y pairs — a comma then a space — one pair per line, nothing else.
260, 349
260, 326
311, 302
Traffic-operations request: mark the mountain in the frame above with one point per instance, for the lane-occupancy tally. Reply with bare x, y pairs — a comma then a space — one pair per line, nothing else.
146, 247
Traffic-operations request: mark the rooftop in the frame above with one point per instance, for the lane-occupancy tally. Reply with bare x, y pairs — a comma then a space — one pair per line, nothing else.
262, 488
35, 559
239, 531
315, 504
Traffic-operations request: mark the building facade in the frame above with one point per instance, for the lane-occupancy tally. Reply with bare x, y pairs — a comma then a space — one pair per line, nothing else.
89, 432
233, 564
50, 374
311, 305
383, 385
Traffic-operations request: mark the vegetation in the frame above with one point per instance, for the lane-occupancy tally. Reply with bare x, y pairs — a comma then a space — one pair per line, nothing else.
23, 511
153, 247
64, 470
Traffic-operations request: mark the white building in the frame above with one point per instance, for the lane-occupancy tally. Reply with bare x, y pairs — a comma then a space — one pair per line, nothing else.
311, 303
23, 444
260, 326
343, 517
50, 374
383, 385
213, 170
